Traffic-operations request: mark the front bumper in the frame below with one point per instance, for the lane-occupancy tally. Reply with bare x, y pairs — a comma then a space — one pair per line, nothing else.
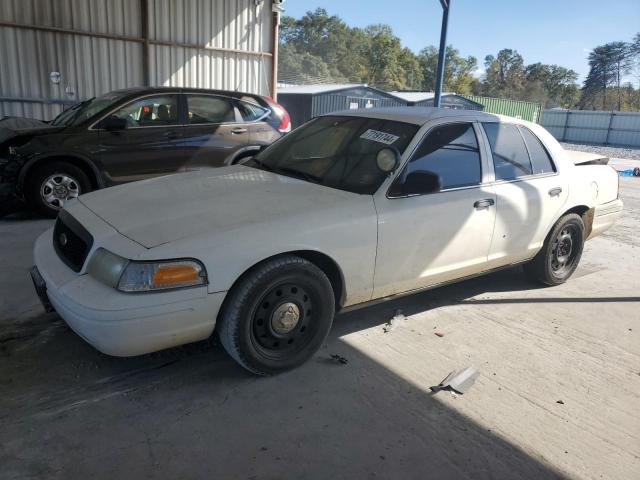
7, 190
123, 324
605, 216
8, 178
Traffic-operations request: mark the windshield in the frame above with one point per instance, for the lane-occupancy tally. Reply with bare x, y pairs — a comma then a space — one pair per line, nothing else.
335, 151
84, 110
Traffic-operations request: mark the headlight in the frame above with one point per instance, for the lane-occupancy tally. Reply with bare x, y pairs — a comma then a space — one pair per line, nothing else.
148, 276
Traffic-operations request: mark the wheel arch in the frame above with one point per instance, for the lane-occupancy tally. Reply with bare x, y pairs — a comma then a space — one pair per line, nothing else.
242, 153
321, 260
586, 213
86, 165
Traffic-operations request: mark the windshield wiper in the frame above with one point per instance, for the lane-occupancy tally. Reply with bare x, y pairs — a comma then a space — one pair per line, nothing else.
309, 177
71, 117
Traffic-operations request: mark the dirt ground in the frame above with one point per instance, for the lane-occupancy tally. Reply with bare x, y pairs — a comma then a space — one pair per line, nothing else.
557, 397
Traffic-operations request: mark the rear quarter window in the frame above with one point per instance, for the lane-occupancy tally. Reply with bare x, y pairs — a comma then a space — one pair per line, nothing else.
510, 156
540, 159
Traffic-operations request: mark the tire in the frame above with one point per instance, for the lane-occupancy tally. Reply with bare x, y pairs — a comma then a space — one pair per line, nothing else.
277, 316
70, 179
560, 254
244, 156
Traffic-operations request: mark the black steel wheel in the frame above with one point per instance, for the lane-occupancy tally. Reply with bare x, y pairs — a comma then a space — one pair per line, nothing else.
277, 316
561, 252
283, 320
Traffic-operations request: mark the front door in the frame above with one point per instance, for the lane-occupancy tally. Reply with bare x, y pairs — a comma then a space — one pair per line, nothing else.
428, 239
151, 143
213, 131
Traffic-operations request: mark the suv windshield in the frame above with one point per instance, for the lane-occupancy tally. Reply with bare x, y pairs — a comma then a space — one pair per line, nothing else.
84, 110
336, 151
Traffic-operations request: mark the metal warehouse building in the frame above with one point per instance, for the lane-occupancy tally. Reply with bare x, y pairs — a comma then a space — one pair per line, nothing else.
448, 100
58, 52
304, 102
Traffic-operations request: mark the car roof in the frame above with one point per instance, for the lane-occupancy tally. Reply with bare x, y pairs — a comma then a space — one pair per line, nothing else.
422, 115
151, 90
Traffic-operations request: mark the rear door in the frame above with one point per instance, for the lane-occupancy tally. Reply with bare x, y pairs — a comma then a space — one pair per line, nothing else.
255, 118
529, 191
213, 131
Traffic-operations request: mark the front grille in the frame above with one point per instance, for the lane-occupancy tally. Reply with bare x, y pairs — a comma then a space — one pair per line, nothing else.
71, 241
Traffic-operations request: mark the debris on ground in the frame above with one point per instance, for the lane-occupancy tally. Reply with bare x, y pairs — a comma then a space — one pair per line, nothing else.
339, 359
458, 382
393, 322
560, 402
439, 334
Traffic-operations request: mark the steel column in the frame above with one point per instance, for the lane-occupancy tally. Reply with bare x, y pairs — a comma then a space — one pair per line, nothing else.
446, 4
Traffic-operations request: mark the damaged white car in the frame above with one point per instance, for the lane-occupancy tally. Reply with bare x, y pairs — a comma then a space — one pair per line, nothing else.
347, 209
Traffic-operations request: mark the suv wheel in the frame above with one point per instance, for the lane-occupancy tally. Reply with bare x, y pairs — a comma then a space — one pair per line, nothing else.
49, 186
560, 254
277, 316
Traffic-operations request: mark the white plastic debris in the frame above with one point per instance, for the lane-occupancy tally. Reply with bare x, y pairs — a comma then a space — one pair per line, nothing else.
458, 382
394, 322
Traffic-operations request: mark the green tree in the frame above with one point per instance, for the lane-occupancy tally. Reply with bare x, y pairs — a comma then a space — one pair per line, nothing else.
505, 75
302, 67
458, 71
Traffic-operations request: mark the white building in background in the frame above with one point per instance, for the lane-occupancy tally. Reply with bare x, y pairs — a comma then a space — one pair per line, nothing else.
58, 52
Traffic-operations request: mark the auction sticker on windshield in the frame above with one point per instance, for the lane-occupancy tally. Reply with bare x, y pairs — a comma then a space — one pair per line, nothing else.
380, 137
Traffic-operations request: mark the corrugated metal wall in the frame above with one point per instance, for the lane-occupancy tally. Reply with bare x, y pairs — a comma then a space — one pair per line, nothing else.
453, 102
584, 126
327, 103
228, 24
529, 111
90, 66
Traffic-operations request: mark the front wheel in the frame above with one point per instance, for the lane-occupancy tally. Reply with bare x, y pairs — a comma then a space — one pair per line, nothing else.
560, 254
50, 186
277, 316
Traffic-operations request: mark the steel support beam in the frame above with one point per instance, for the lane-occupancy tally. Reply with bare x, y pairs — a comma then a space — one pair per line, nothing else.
446, 5
127, 38
274, 56
144, 29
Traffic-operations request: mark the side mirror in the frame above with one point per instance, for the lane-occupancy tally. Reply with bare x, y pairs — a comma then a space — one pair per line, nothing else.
418, 182
388, 159
114, 123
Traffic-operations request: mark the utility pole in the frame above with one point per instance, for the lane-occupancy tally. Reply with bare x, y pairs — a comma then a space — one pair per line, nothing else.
442, 52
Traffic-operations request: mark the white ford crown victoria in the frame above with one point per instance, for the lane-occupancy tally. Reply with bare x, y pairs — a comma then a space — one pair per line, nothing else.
347, 209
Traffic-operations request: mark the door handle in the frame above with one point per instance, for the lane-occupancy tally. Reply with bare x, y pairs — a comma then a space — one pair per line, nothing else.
482, 204
171, 134
555, 192
238, 130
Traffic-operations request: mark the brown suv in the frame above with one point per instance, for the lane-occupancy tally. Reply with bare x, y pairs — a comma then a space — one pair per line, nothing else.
130, 135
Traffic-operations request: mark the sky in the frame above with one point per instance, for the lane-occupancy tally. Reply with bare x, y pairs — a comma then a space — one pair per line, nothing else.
547, 31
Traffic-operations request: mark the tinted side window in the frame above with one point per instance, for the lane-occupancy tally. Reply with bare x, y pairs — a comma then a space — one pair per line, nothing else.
510, 157
450, 151
150, 112
251, 112
540, 159
209, 109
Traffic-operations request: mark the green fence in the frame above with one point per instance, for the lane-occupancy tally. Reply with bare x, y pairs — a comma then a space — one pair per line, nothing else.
514, 108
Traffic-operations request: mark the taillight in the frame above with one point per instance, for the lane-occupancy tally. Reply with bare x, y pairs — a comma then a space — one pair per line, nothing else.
285, 119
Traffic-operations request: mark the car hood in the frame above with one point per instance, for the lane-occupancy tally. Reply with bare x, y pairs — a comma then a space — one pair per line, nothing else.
16, 127
165, 209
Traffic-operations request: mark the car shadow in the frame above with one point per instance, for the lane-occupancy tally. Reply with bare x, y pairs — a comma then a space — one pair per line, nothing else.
191, 411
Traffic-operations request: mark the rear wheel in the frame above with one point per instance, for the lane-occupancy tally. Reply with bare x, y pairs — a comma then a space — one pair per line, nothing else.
50, 186
277, 316
561, 252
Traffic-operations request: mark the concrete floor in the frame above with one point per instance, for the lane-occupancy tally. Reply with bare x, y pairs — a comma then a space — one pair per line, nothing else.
67, 411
